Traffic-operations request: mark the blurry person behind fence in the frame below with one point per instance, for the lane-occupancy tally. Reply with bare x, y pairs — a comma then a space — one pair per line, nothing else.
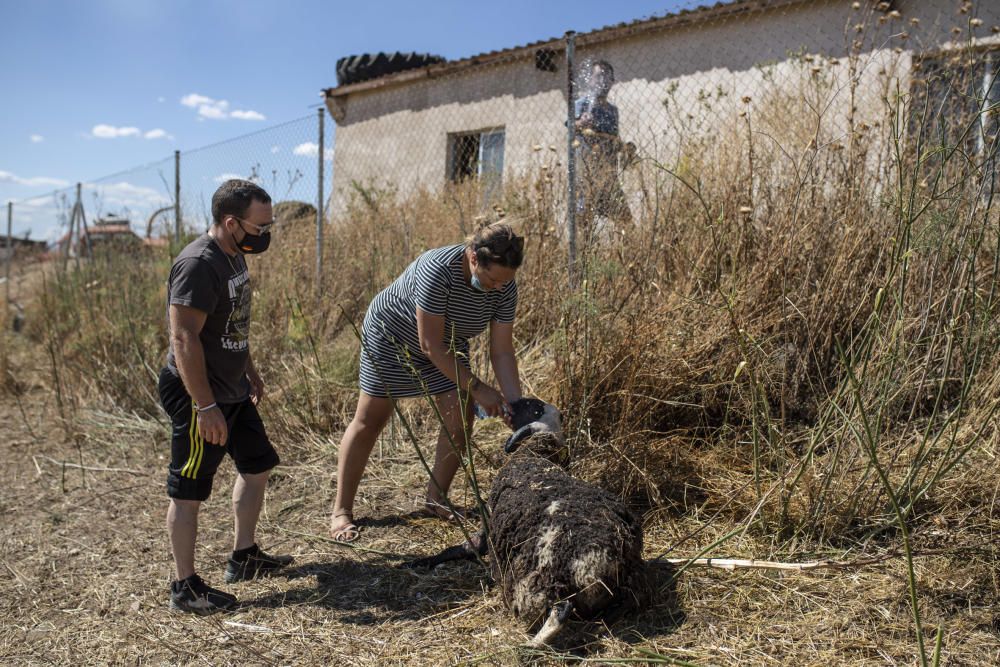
600, 153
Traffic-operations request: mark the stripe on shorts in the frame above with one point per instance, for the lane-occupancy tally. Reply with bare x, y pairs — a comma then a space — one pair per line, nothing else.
190, 467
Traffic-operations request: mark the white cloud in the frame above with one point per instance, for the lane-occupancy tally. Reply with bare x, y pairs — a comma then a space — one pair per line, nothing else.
248, 115
37, 138
209, 107
194, 100
213, 112
126, 190
35, 182
310, 149
116, 197
112, 132
222, 178
157, 134
275, 149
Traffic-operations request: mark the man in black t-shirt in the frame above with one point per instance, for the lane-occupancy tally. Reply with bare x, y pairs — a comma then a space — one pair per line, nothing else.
210, 389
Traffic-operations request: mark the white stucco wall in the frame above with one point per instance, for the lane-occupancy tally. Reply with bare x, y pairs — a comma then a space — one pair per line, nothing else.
674, 86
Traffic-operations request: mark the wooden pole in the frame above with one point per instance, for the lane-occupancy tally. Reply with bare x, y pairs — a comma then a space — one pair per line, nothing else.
77, 221
571, 156
84, 232
177, 197
10, 247
319, 206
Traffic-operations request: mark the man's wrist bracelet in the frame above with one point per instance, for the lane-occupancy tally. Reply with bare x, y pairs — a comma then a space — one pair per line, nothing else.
207, 407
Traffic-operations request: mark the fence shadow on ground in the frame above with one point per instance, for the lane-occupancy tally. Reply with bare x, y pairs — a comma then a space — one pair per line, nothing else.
370, 593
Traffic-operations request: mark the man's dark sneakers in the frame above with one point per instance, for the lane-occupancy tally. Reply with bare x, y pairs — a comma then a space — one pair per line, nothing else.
251, 563
194, 595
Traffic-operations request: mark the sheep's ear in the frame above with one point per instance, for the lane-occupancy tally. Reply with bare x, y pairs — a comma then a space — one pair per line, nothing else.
517, 436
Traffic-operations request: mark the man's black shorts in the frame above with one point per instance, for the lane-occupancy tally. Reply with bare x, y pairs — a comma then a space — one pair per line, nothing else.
193, 461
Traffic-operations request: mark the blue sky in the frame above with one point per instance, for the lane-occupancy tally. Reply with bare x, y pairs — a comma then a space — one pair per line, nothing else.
93, 87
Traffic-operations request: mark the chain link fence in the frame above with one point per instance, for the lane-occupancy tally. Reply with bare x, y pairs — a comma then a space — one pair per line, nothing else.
603, 127
609, 125
281, 159
150, 205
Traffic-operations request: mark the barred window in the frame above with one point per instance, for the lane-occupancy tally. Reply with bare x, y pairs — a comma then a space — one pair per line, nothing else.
956, 100
476, 154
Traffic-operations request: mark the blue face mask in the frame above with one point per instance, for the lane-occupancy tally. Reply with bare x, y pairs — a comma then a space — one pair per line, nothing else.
476, 285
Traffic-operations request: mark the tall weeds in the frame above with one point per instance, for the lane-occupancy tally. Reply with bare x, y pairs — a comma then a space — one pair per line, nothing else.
797, 333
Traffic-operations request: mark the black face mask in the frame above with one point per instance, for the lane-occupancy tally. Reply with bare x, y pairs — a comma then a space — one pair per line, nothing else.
253, 244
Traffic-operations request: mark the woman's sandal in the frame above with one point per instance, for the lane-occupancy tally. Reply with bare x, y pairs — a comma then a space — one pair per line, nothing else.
348, 532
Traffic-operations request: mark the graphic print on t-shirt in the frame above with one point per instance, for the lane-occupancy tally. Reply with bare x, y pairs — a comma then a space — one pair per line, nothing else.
236, 337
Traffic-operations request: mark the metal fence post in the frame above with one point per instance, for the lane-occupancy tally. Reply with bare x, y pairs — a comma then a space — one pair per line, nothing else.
571, 156
319, 205
85, 239
10, 247
78, 224
177, 197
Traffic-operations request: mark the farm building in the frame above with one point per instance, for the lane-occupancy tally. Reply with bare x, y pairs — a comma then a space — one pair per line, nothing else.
801, 70
110, 231
20, 247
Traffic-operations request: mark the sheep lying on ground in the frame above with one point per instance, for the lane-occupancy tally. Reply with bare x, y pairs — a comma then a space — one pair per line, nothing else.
557, 545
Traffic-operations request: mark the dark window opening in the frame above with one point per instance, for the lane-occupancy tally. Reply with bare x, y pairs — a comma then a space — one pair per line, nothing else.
476, 155
464, 157
545, 60
956, 101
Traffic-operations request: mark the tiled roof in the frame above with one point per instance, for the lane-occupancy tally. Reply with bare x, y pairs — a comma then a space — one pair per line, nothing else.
723, 9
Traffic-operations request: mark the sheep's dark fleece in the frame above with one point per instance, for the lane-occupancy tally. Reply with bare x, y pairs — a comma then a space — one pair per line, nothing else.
553, 538
556, 543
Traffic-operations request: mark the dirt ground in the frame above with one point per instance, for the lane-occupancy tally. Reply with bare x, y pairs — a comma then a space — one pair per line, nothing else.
86, 564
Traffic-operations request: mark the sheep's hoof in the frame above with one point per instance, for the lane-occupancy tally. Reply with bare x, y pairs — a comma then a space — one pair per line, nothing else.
553, 624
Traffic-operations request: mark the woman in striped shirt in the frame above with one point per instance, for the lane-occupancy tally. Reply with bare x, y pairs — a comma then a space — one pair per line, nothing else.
415, 342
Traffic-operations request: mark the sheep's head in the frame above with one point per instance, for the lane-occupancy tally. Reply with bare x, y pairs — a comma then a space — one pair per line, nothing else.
540, 421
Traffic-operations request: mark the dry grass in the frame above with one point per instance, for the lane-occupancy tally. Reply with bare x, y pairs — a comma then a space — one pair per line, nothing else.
86, 564
790, 359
